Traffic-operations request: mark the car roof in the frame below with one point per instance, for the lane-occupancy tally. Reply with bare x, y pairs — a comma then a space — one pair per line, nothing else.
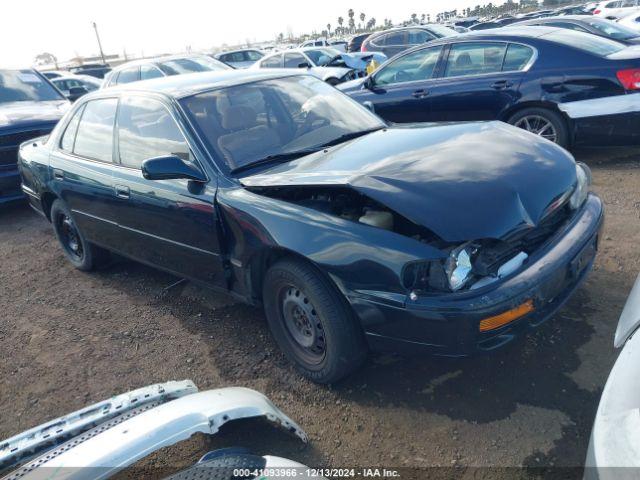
178, 86
163, 58
513, 30
237, 51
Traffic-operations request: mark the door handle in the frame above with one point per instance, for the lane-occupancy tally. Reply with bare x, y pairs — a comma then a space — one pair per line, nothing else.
122, 191
420, 93
58, 174
501, 84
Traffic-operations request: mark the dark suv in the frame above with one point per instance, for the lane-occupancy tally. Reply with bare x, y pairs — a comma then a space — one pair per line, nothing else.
29, 107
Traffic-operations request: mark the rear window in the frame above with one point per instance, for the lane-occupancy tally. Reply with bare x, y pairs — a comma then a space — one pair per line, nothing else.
586, 42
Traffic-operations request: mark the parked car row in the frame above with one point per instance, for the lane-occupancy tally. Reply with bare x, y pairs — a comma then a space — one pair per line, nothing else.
570, 87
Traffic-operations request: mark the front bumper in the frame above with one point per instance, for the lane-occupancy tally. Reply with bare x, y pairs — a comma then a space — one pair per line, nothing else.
449, 324
10, 185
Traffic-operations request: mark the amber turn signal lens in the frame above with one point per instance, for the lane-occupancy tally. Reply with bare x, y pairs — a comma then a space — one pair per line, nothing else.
498, 321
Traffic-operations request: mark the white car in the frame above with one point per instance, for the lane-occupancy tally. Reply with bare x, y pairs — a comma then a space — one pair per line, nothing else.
615, 9
614, 448
632, 20
300, 58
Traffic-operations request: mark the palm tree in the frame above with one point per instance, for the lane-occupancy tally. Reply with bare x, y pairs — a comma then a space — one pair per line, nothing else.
329, 28
362, 17
340, 22
414, 17
352, 22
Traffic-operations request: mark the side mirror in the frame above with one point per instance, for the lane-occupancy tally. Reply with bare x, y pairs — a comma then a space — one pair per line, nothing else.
369, 105
368, 83
304, 65
170, 167
76, 92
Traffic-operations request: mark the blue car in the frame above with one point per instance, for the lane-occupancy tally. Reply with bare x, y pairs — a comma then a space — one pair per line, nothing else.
29, 107
354, 235
569, 87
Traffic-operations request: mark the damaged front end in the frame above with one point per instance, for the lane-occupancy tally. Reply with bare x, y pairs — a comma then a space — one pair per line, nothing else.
98, 441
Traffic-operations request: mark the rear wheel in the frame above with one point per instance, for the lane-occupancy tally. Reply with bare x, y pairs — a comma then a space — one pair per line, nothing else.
543, 122
312, 322
82, 254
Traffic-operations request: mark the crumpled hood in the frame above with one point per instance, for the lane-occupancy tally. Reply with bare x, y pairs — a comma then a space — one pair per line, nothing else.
18, 114
464, 181
359, 60
323, 73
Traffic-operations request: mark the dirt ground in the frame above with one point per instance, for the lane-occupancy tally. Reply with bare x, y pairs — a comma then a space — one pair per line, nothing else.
68, 339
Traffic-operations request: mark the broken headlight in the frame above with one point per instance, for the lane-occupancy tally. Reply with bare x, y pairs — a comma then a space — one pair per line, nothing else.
579, 195
450, 274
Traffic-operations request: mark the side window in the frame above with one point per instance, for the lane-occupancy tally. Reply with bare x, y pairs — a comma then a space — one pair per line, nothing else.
94, 139
412, 67
396, 38
148, 72
272, 62
475, 58
517, 57
416, 37
69, 135
253, 56
293, 60
129, 75
147, 130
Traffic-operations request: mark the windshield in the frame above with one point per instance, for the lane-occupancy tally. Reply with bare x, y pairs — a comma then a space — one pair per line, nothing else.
613, 30
322, 56
179, 66
25, 86
245, 124
585, 41
442, 31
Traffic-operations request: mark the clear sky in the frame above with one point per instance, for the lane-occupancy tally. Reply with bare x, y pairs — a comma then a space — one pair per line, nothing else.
63, 27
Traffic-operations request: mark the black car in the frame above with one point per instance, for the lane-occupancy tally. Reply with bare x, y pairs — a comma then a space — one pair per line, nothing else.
502, 22
352, 234
395, 40
355, 43
97, 70
589, 24
570, 87
29, 107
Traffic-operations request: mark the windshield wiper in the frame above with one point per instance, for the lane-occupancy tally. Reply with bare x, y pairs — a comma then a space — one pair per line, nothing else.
349, 136
275, 158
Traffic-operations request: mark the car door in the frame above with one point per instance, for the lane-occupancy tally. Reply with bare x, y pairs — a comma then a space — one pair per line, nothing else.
295, 60
171, 224
81, 169
399, 91
480, 79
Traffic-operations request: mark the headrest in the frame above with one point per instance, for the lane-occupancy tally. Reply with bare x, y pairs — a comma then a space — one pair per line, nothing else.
238, 118
463, 60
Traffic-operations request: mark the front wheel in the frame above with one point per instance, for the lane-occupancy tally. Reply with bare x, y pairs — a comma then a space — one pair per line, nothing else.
312, 322
543, 122
82, 254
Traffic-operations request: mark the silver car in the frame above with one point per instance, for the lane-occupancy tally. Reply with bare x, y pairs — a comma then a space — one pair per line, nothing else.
240, 58
302, 58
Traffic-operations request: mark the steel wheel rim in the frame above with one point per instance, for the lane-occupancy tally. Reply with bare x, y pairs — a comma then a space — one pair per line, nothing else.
538, 125
302, 324
70, 236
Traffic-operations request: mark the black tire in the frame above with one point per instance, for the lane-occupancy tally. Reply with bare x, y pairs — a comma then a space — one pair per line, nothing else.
553, 118
338, 347
82, 254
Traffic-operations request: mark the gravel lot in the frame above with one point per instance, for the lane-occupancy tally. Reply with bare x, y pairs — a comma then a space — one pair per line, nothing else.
68, 339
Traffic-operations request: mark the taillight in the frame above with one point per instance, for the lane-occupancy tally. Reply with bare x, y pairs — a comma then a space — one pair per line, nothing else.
363, 47
597, 11
630, 79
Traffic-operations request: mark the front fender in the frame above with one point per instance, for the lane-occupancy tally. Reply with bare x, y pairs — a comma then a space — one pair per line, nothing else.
356, 256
